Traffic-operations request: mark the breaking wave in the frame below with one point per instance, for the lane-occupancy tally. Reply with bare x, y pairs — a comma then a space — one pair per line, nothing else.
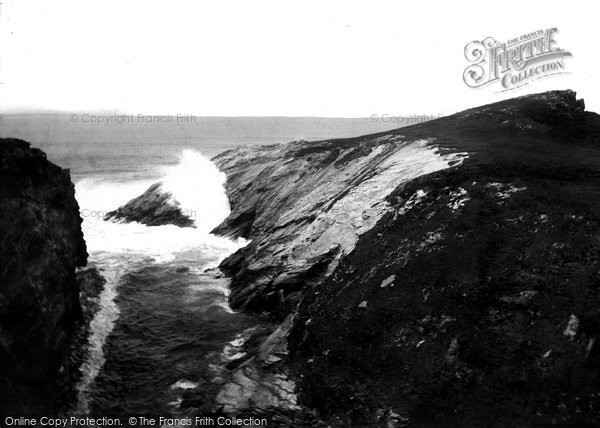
118, 248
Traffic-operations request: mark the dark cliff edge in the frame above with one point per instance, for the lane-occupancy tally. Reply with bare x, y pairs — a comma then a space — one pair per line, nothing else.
40, 247
443, 274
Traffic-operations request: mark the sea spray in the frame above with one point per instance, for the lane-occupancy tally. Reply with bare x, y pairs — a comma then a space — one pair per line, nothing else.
118, 248
199, 187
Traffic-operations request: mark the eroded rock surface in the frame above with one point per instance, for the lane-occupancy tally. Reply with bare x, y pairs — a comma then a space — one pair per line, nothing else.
41, 245
433, 291
261, 382
304, 205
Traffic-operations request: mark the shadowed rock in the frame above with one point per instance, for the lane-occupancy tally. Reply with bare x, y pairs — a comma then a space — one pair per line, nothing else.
155, 207
41, 244
464, 247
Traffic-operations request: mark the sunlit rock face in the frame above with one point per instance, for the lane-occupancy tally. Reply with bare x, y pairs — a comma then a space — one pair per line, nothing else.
41, 245
427, 275
304, 205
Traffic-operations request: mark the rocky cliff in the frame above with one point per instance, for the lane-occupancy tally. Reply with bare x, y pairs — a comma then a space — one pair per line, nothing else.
437, 275
154, 207
304, 205
41, 244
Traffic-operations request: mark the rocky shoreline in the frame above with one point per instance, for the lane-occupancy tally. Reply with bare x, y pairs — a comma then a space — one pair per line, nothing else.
423, 276
440, 274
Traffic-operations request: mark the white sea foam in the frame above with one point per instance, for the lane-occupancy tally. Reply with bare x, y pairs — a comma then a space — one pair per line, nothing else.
184, 384
198, 186
233, 350
100, 327
225, 306
196, 183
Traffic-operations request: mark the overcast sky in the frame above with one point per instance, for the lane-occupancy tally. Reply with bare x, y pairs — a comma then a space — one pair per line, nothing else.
252, 58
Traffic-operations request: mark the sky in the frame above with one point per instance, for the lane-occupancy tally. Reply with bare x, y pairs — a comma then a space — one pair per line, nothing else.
274, 58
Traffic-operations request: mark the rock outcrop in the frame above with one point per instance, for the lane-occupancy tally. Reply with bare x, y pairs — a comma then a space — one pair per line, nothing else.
41, 244
304, 205
155, 207
436, 275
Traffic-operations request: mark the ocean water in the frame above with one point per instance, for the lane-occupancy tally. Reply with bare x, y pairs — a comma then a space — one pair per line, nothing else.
164, 327
128, 151
163, 323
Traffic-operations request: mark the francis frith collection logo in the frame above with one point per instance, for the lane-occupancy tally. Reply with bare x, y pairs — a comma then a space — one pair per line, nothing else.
514, 63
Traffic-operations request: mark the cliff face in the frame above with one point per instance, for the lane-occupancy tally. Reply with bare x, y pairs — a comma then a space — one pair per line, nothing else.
304, 205
444, 273
41, 244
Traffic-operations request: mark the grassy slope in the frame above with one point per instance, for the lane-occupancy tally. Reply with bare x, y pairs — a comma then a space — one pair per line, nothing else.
470, 333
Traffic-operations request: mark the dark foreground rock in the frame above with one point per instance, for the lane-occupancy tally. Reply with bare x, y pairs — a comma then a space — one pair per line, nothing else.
466, 295
40, 247
155, 207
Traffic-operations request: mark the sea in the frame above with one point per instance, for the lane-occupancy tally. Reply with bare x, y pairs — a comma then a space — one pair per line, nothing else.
164, 325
